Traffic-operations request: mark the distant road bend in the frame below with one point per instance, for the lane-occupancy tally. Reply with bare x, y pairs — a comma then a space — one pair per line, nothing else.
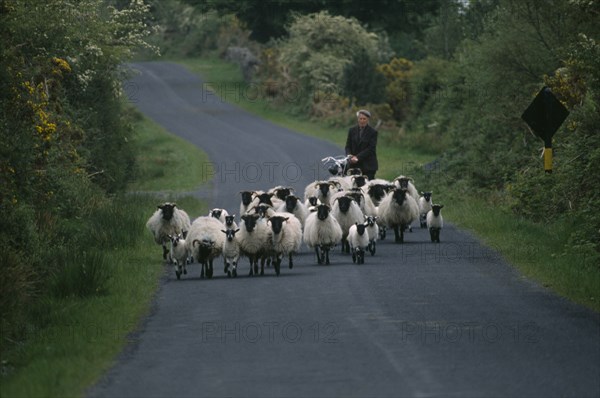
416, 320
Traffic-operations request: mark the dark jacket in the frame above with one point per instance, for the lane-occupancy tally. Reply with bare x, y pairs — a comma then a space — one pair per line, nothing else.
364, 148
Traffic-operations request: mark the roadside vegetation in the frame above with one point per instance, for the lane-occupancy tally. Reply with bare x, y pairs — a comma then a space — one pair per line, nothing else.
78, 270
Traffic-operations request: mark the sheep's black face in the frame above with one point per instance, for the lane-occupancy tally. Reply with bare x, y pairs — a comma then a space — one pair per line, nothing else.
313, 200
377, 192
324, 188
175, 239
229, 220
426, 196
354, 171
167, 210
277, 223
370, 220
283, 193
265, 198
216, 213
361, 228
360, 181
230, 234
246, 197
250, 221
344, 203
399, 196
290, 203
262, 209
436, 209
322, 212
403, 182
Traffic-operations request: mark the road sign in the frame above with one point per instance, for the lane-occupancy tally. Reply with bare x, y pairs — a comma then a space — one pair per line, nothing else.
544, 116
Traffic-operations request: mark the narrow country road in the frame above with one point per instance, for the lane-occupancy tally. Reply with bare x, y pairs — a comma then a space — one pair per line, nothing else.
416, 320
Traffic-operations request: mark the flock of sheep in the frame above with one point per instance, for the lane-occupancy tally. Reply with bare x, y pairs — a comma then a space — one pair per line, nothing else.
347, 210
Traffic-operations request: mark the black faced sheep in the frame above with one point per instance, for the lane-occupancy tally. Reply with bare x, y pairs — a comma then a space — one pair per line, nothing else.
167, 220
398, 210
322, 232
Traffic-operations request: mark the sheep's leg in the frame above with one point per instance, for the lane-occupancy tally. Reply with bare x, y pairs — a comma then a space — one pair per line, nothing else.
165, 252
397, 237
234, 269
326, 256
202, 265
256, 264
382, 232
226, 270
291, 263
318, 252
209, 270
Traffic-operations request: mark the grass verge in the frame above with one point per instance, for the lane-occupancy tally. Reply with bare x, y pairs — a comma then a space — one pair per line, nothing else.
537, 251
74, 335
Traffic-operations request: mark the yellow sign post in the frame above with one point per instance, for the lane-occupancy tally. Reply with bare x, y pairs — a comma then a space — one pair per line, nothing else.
544, 116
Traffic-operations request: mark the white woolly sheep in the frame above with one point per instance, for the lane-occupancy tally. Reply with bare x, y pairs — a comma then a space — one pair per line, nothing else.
358, 238
435, 222
231, 252
373, 230
205, 242
398, 210
179, 254
347, 212
424, 207
167, 220
294, 205
322, 232
286, 238
254, 239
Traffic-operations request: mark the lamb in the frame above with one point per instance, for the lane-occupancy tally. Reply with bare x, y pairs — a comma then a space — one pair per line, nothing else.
358, 238
254, 239
179, 254
286, 238
231, 252
424, 207
311, 203
347, 212
205, 242
322, 232
294, 205
167, 220
373, 230
398, 210
435, 222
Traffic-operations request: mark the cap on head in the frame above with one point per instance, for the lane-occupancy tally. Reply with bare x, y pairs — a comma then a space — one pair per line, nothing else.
364, 112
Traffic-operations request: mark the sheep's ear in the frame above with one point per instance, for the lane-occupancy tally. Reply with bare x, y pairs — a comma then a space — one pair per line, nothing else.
286, 218
441, 206
224, 231
184, 234
236, 231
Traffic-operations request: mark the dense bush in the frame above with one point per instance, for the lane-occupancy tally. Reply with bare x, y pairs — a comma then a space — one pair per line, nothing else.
64, 139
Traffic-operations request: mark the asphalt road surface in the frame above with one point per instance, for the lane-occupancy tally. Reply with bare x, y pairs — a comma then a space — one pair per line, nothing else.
416, 320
